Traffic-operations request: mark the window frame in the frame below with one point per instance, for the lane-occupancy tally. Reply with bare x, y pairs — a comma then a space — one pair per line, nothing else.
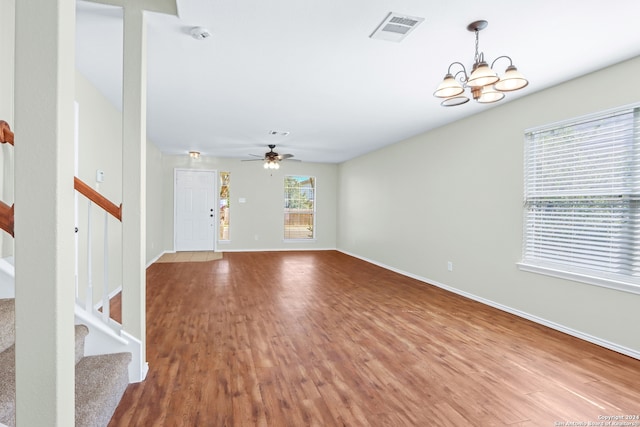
313, 211
566, 269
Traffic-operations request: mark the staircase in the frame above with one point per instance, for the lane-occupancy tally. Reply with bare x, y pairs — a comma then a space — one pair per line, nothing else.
107, 358
100, 380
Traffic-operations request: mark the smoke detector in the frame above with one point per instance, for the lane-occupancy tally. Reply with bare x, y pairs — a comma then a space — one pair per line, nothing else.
200, 33
395, 27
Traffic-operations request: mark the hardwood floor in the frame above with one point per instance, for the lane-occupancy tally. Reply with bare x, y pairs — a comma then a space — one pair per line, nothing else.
324, 339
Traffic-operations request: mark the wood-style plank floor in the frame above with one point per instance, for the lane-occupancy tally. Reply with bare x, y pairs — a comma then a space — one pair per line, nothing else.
324, 339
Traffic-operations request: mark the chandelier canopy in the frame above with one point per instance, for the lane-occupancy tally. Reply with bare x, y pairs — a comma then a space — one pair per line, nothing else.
484, 84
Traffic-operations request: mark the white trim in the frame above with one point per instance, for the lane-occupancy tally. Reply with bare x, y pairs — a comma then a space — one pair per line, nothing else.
113, 293
138, 368
279, 249
584, 117
558, 327
578, 277
315, 209
158, 257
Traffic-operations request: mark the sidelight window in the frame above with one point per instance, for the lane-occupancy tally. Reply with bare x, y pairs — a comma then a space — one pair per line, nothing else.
224, 202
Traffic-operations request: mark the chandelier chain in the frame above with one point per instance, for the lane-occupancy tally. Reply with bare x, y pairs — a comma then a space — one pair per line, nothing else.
477, 58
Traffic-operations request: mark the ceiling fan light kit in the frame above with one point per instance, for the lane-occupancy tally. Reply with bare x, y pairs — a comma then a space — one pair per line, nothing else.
484, 84
271, 159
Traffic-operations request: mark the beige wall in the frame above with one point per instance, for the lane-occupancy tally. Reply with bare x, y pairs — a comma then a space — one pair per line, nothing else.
100, 147
262, 213
455, 194
155, 203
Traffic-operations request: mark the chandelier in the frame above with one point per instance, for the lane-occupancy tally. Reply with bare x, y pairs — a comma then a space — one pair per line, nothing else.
485, 85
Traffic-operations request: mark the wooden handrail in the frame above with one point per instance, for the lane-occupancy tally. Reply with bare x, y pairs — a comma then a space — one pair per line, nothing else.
97, 198
6, 218
6, 211
5, 133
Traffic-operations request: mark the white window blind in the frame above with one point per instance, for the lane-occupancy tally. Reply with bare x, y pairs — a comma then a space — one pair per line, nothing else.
582, 195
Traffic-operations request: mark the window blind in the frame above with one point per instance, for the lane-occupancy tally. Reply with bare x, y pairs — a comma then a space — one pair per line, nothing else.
582, 196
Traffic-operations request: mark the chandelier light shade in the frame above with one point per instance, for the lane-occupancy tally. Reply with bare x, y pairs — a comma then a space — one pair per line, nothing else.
484, 84
271, 163
449, 87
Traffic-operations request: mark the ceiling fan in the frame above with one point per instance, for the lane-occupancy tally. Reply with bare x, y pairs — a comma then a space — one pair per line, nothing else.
271, 159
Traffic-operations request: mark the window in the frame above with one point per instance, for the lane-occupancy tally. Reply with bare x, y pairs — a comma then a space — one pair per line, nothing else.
299, 207
582, 192
223, 200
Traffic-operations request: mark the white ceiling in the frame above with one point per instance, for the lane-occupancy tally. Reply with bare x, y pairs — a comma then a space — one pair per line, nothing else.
309, 67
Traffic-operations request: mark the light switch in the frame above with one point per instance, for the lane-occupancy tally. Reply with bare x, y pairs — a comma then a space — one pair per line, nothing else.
99, 176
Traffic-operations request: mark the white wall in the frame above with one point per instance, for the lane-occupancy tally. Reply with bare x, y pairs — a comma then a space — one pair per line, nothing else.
455, 194
262, 214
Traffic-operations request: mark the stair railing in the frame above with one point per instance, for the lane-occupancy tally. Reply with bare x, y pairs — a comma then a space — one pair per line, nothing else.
6, 211
110, 208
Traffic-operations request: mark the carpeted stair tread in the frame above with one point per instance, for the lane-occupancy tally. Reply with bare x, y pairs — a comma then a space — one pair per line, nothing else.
81, 332
100, 383
8, 386
100, 380
7, 323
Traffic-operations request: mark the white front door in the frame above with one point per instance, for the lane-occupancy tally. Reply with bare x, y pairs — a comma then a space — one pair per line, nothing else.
195, 210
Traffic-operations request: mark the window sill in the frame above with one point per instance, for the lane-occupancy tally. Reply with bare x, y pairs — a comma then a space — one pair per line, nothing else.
580, 277
299, 240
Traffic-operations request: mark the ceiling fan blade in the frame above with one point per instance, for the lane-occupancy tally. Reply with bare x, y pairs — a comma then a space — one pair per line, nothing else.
255, 155
292, 160
251, 160
285, 156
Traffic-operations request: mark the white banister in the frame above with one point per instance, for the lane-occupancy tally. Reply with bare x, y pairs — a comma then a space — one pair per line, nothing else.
105, 286
105, 315
89, 290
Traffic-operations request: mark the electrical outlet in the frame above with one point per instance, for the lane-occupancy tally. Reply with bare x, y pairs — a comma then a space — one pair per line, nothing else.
450, 266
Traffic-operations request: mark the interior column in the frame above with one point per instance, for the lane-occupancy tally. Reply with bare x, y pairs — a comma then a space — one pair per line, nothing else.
44, 212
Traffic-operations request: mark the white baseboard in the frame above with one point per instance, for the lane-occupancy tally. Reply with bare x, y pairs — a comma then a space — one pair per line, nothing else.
278, 249
158, 257
553, 325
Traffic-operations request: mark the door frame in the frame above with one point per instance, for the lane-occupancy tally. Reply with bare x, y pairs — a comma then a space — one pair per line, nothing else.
216, 197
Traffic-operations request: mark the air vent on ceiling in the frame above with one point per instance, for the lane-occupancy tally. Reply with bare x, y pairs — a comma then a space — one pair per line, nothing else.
396, 27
